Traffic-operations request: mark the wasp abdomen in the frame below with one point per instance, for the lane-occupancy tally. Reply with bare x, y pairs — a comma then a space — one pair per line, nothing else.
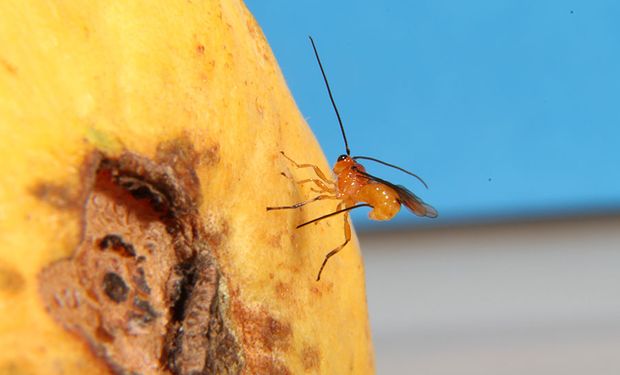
382, 198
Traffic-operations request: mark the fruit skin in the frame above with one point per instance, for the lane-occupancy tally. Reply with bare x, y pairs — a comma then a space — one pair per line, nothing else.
112, 78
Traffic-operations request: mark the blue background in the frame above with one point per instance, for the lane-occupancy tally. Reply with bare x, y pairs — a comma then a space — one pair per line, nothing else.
508, 109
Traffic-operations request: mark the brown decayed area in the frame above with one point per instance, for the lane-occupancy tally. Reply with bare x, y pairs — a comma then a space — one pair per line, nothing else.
311, 358
69, 198
266, 335
142, 288
211, 155
283, 291
58, 196
11, 281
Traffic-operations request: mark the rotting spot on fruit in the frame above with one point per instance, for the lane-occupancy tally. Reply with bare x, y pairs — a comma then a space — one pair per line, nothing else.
144, 306
266, 335
310, 357
211, 155
11, 281
276, 333
139, 279
115, 242
283, 291
114, 287
142, 288
57, 196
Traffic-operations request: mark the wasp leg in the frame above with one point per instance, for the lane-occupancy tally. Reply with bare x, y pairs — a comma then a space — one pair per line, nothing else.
323, 188
320, 184
347, 238
297, 205
317, 170
338, 212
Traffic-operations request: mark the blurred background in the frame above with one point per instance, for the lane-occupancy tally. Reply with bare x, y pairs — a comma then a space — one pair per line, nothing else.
509, 111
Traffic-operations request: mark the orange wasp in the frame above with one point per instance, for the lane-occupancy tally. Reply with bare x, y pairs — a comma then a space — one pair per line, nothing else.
355, 185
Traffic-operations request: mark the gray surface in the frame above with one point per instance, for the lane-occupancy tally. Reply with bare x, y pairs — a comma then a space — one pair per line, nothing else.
529, 298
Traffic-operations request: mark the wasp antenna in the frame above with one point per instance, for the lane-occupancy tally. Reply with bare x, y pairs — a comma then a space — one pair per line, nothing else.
331, 97
393, 166
332, 214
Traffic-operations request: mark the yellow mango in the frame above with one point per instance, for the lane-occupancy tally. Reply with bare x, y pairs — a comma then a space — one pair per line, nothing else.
140, 148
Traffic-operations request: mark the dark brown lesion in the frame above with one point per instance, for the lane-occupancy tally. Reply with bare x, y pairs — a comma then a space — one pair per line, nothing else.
311, 358
115, 287
115, 242
58, 196
142, 287
266, 335
188, 342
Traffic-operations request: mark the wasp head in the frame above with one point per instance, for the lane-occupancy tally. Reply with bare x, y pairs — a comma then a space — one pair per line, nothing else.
343, 162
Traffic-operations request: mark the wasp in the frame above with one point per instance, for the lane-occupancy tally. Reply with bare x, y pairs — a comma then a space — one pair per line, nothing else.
354, 185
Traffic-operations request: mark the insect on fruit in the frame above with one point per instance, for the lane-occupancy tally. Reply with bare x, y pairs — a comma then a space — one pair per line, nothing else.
354, 185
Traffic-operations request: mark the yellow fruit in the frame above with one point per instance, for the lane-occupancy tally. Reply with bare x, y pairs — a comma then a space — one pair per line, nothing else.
140, 146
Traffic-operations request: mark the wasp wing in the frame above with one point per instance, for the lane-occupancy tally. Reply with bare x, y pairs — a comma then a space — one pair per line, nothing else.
414, 203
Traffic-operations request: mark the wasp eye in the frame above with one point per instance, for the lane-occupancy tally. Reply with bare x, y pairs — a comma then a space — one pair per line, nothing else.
342, 157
